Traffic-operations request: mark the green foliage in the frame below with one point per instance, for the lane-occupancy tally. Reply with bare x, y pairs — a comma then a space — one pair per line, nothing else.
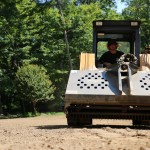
33, 84
33, 33
140, 9
7, 86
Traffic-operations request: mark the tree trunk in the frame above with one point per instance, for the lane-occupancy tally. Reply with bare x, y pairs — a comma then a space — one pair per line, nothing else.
34, 108
23, 109
1, 109
65, 33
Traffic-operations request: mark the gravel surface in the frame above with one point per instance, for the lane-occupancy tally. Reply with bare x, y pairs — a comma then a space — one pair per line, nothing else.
52, 133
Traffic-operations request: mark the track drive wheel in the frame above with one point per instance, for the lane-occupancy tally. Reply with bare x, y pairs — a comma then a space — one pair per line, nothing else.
136, 122
141, 122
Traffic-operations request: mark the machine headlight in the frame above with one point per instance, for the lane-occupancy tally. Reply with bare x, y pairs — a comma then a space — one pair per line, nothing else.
134, 23
99, 23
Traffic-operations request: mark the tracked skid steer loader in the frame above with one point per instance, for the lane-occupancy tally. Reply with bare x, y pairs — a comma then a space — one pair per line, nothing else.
120, 91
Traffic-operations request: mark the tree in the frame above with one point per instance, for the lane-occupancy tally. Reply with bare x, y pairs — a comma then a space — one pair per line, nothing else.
17, 31
140, 10
33, 84
33, 32
78, 26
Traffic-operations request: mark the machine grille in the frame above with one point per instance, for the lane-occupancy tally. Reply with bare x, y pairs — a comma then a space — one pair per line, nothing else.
145, 82
92, 80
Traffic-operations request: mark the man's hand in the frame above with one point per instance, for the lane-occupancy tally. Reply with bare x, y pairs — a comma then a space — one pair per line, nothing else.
107, 64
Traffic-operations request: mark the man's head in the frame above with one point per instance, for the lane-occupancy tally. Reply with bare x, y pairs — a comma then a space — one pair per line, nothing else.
112, 42
112, 45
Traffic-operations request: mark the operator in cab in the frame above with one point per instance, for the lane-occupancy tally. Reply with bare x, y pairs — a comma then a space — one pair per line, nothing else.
112, 55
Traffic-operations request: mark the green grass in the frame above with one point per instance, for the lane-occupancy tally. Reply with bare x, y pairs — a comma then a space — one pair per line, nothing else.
53, 113
29, 114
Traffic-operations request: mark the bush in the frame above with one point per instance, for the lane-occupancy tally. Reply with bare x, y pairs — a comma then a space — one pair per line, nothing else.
33, 85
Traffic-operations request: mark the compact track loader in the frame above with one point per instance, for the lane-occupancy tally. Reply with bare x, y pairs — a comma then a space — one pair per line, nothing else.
120, 91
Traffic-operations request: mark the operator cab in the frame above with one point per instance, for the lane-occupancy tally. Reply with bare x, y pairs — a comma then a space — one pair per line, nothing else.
125, 32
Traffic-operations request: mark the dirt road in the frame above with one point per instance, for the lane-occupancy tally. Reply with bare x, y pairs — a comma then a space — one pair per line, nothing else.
52, 133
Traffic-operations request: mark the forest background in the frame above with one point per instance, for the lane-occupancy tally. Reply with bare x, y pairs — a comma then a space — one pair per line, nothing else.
40, 42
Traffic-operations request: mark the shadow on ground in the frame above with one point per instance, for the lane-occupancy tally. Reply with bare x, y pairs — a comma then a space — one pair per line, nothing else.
50, 127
